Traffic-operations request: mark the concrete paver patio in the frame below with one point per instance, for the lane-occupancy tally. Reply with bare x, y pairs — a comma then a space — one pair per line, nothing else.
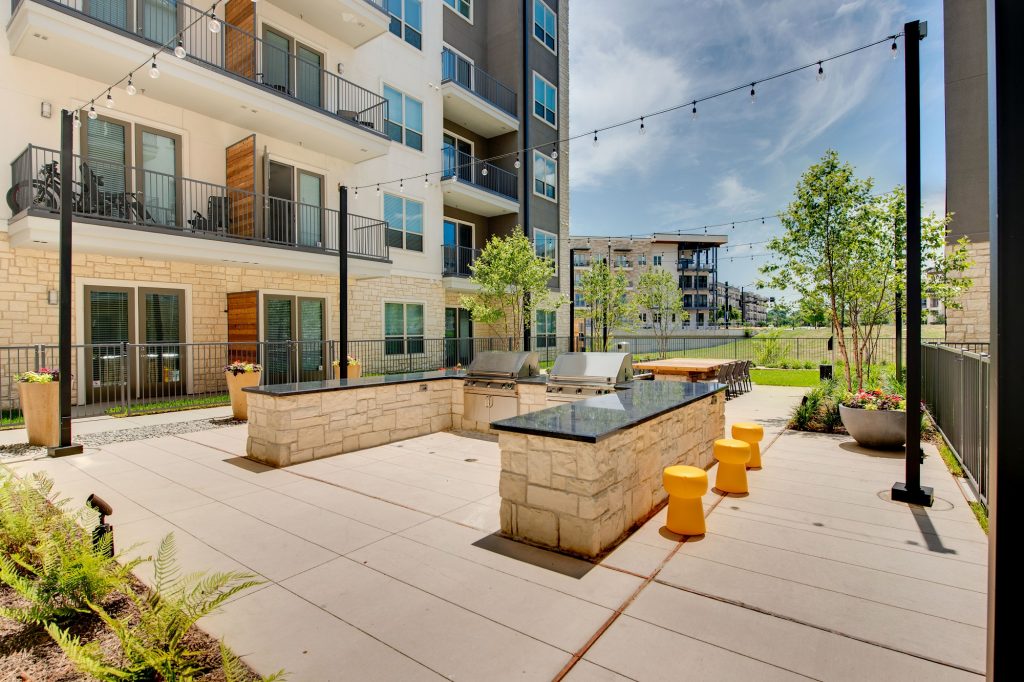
385, 564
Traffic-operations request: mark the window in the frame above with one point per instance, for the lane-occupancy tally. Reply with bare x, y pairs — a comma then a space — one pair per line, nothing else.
657, 260
545, 100
643, 317
702, 300
545, 176
546, 329
405, 222
687, 300
642, 259
405, 118
463, 7
656, 318
579, 302
407, 20
702, 282
687, 281
545, 245
403, 328
544, 25
621, 261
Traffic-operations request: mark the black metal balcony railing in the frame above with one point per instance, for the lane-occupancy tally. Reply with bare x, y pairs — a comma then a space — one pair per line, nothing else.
127, 196
457, 260
238, 53
467, 168
458, 70
579, 261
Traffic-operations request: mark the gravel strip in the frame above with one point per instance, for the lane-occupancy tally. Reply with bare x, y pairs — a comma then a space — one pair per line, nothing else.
23, 450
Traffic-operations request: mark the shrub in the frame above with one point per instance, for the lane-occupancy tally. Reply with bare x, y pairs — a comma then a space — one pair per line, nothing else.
768, 348
808, 364
819, 409
153, 645
25, 508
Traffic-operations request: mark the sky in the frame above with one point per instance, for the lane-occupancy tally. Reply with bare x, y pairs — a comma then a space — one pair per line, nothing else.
739, 159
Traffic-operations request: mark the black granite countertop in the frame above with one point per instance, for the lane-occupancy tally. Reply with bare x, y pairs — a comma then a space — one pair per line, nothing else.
304, 387
595, 419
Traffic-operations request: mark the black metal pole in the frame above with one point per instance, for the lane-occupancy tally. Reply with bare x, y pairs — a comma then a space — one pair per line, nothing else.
728, 307
67, 142
343, 276
604, 331
526, 29
899, 312
1006, 449
911, 490
572, 299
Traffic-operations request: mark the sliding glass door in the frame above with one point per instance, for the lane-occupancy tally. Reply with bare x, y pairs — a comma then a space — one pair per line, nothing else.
293, 328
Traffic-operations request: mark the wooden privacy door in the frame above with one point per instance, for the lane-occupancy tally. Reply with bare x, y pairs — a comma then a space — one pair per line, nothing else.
240, 204
240, 43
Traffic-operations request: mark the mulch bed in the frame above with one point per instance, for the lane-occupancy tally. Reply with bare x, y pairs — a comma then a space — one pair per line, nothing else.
27, 654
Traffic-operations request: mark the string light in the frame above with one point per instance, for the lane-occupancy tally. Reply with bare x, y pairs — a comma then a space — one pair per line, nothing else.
401, 186
554, 151
214, 23
130, 89
643, 131
154, 71
595, 138
693, 112
110, 100
517, 163
483, 170
355, 194
426, 182
92, 112
179, 50
821, 73
77, 122
378, 190
753, 93
895, 49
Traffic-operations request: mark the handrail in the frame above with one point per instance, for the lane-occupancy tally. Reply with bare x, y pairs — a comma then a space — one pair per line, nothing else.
130, 196
483, 174
459, 70
239, 53
458, 260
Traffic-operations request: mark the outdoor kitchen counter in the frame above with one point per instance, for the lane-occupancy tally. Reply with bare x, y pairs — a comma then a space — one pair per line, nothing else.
298, 422
579, 476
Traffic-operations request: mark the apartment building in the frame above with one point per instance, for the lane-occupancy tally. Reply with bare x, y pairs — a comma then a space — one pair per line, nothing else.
692, 259
206, 187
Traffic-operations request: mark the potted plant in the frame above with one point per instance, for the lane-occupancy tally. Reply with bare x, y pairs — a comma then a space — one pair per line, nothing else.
241, 375
39, 393
875, 419
353, 370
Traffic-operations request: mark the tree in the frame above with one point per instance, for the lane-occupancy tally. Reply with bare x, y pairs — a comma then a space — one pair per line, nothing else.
658, 293
779, 315
513, 283
843, 246
812, 312
607, 301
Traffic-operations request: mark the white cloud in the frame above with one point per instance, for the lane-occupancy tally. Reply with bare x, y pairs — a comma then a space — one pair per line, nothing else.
731, 193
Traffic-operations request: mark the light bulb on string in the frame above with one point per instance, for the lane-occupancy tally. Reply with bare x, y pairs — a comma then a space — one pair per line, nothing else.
355, 192
214, 22
518, 164
401, 186
154, 71
821, 73
483, 169
693, 112
92, 112
895, 49
77, 122
378, 190
130, 88
110, 100
595, 138
554, 151
643, 131
426, 182
753, 93
179, 50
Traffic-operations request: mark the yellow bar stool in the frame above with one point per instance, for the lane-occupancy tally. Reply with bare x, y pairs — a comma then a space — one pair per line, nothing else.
686, 486
752, 434
732, 456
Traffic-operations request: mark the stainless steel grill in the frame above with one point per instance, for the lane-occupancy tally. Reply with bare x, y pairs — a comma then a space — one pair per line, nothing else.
576, 376
489, 391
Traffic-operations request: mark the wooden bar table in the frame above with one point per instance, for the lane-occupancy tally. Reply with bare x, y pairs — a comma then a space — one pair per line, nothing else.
682, 369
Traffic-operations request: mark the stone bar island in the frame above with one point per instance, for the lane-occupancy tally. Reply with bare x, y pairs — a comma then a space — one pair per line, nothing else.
579, 476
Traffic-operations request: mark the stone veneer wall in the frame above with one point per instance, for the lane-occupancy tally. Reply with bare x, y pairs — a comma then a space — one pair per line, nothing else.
532, 397
288, 430
971, 322
583, 497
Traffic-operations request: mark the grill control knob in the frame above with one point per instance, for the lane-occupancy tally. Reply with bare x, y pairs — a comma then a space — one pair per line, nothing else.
579, 391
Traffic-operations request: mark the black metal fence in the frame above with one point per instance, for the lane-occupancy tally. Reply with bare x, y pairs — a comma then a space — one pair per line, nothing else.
954, 387
457, 69
457, 260
143, 199
236, 52
483, 174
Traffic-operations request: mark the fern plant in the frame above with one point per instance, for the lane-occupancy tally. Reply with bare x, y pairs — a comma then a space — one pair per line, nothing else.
26, 508
64, 574
153, 644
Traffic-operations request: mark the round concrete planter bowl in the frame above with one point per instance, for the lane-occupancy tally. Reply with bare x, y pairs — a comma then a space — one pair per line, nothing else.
875, 429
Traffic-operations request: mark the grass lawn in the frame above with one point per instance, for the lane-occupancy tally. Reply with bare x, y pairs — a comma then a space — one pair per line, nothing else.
785, 377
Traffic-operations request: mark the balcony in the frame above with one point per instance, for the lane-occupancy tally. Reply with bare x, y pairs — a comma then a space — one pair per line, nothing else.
166, 216
230, 76
474, 99
456, 266
352, 21
477, 186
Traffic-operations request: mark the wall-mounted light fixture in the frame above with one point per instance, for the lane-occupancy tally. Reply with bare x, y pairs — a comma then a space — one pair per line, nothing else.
51, 297
45, 109
341, 68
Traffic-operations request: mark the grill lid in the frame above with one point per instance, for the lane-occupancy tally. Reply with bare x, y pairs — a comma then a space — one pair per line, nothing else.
593, 368
513, 365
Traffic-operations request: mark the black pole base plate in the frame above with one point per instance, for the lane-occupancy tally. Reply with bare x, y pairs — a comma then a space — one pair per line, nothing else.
924, 496
58, 451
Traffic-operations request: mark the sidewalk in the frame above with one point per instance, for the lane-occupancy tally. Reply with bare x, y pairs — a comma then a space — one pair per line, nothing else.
385, 564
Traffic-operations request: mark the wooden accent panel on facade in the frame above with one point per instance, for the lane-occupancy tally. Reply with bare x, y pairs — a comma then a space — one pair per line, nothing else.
240, 45
243, 325
241, 175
